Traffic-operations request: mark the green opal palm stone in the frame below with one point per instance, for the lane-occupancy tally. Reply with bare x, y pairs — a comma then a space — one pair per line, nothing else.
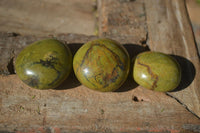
44, 64
101, 65
156, 71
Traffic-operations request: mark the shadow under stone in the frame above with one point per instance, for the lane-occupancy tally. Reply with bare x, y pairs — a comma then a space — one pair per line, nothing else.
133, 51
187, 72
71, 81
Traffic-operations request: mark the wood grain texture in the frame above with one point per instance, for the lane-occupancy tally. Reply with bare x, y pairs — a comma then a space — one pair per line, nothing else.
44, 17
124, 19
81, 109
169, 31
75, 108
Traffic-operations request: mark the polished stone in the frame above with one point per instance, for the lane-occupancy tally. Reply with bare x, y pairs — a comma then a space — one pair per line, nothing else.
44, 64
156, 71
102, 65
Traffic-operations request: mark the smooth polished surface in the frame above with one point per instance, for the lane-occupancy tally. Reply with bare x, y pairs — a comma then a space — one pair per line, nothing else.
44, 64
102, 65
156, 71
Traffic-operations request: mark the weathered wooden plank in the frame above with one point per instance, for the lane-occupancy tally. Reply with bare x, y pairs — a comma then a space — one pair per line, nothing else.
160, 18
44, 17
80, 109
124, 19
193, 9
74, 108
169, 31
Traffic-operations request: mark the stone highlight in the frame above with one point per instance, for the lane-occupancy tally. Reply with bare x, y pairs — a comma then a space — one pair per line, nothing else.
156, 71
102, 65
44, 64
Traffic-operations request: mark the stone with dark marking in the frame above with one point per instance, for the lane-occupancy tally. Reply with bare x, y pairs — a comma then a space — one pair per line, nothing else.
44, 64
156, 71
102, 65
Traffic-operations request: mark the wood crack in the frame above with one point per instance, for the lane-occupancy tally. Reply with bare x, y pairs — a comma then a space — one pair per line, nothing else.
144, 42
185, 106
10, 66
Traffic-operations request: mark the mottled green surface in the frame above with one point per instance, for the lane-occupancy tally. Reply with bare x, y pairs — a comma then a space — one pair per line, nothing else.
44, 64
101, 65
156, 71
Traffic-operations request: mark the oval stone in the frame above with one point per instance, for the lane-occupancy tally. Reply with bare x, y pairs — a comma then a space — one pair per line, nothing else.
156, 71
44, 64
102, 65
